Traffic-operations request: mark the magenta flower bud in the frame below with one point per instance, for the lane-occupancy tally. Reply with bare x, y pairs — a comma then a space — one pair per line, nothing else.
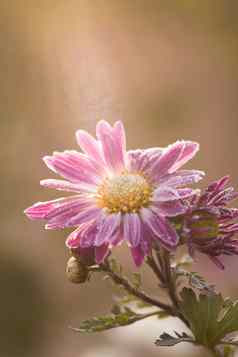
209, 225
202, 225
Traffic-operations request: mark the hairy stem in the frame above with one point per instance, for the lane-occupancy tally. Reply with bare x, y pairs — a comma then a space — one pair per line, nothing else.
157, 271
169, 279
162, 270
120, 280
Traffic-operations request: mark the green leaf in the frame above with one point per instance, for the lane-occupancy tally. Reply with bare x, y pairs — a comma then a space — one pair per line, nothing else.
167, 340
195, 280
119, 317
211, 317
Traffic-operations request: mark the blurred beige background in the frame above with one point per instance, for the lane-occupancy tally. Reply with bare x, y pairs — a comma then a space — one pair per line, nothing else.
169, 70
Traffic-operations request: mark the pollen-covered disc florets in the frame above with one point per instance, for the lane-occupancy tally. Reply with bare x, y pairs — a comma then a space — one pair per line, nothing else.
124, 193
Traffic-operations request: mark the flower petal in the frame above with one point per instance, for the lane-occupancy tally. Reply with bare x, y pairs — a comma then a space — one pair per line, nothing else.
113, 144
41, 209
142, 160
63, 185
160, 227
101, 253
182, 178
137, 255
90, 146
88, 234
175, 156
38, 210
68, 209
74, 167
73, 240
120, 135
189, 151
132, 229
164, 194
108, 227
83, 236
171, 209
84, 216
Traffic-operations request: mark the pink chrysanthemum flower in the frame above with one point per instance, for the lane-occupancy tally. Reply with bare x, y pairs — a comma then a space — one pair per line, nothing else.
119, 195
209, 225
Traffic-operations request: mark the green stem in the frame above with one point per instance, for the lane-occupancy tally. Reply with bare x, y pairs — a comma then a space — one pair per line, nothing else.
162, 269
157, 271
169, 279
120, 280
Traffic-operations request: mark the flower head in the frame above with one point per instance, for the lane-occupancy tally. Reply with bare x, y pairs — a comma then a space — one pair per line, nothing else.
208, 226
119, 195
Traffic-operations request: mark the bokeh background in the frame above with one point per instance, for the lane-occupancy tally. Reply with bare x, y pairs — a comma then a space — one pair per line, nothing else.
169, 70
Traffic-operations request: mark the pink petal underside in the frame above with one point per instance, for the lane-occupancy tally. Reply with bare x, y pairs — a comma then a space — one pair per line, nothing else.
108, 228
189, 151
83, 236
137, 255
175, 156
171, 209
229, 228
120, 135
40, 209
188, 192
217, 262
70, 208
84, 216
218, 185
164, 194
101, 253
73, 240
143, 249
182, 178
63, 185
132, 229
90, 146
88, 235
136, 160
142, 160
219, 195
117, 239
74, 167
112, 141
159, 227
167, 194
61, 216
166, 161
223, 182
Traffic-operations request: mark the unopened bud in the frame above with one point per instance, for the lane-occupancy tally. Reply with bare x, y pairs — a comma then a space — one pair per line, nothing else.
85, 255
203, 225
76, 271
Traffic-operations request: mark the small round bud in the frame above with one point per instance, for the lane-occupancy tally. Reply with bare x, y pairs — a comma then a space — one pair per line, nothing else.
76, 272
85, 255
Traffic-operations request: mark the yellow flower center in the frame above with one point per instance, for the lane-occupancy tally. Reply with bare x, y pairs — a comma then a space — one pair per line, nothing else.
124, 193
